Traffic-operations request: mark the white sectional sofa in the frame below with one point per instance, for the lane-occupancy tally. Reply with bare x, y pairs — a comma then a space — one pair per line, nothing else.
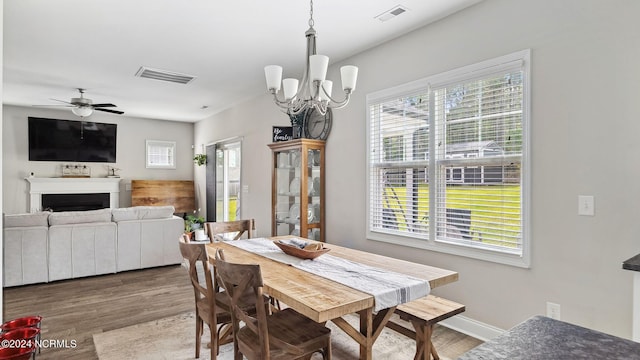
147, 237
25, 249
42, 247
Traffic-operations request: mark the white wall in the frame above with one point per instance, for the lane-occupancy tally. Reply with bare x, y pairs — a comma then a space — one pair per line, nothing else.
252, 123
130, 156
585, 84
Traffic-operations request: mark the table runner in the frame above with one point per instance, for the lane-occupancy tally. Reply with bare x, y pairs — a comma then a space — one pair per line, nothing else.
387, 287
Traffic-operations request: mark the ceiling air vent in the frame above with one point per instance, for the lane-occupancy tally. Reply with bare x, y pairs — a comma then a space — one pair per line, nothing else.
164, 75
391, 13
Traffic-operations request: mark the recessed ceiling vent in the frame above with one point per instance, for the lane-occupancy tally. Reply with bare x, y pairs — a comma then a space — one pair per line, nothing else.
164, 75
392, 13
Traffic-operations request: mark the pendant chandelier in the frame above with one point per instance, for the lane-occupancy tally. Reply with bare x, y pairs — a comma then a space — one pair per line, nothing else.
314, 91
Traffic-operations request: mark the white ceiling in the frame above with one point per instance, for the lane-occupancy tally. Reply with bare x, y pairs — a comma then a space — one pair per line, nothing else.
53, 47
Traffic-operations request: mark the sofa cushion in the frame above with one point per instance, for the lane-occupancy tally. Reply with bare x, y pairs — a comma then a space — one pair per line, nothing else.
80, 217
142, 213
27, 220
123, 214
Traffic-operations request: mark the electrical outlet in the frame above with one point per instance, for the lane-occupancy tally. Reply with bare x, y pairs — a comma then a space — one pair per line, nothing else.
553, 310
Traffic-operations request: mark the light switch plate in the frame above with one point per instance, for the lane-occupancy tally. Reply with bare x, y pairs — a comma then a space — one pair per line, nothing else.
586, 205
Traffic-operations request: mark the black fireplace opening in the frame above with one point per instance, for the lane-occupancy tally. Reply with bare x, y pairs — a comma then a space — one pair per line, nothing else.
75, 202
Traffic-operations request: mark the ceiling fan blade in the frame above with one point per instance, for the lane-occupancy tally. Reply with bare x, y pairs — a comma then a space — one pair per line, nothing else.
53, 105
110, 111
103, 105
66, 102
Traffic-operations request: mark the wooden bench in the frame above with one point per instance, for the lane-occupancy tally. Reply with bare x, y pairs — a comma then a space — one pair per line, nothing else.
423, 314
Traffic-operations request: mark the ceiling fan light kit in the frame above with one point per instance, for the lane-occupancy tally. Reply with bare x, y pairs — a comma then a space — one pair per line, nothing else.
82, 111
314, 91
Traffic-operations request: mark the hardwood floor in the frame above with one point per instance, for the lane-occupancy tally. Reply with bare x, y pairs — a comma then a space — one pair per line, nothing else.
74, 310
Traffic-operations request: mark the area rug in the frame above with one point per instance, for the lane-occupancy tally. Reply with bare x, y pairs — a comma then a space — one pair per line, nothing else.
173, 338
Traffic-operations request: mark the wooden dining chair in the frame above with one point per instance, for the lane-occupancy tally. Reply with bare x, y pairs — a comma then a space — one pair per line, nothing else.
209, 309
216, 230
284, 334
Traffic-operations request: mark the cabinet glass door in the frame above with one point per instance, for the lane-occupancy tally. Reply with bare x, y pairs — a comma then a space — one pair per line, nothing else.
287, 177
298, 189
314, 183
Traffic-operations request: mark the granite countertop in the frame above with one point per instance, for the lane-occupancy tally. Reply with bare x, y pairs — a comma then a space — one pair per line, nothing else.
632, 264
543, 338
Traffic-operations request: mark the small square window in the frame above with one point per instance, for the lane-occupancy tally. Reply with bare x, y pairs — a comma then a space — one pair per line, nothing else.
161, 154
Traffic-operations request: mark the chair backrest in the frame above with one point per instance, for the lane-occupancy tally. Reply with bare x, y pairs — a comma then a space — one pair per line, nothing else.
238, 279
196, 256
215, 230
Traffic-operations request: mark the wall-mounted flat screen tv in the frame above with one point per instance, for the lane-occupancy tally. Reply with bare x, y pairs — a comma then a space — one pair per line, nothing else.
74, 141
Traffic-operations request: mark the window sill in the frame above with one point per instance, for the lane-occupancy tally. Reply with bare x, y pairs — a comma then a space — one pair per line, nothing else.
499, 257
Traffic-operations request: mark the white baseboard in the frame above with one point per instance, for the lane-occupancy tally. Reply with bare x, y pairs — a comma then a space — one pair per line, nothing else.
471, 327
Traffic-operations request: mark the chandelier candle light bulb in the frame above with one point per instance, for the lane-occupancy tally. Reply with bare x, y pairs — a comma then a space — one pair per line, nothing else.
318, 67
273, 73
349, 75
327, 86
290, 88
314, 91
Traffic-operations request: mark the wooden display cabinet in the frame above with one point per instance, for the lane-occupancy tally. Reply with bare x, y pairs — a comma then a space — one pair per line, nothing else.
297, 188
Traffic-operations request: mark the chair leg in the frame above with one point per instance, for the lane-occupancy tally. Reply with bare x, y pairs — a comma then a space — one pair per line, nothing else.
237, 355
275, 305
214, 342
327, 352
198, 335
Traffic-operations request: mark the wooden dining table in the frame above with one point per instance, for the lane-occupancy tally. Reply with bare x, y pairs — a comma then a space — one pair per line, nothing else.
323, 300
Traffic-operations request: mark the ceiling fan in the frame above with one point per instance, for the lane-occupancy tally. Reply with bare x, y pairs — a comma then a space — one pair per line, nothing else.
84, 107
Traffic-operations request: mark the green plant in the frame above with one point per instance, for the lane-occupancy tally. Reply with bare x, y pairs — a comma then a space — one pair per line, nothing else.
200, 159
192, 222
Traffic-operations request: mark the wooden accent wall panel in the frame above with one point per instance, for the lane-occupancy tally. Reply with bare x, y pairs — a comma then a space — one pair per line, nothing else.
179, 193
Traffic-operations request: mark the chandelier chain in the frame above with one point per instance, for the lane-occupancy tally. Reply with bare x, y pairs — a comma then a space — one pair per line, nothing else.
311, 23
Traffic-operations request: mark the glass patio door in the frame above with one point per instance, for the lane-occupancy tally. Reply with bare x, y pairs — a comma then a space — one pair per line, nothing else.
223, 181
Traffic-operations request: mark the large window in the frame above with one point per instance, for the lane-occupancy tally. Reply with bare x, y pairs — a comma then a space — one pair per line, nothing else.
448, 167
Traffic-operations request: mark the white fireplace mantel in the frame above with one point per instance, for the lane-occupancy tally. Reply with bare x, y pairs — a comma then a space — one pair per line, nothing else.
39, 186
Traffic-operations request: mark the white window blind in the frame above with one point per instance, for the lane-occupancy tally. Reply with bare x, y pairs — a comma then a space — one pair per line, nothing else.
471, 193
161, 154
399, 165
478, 157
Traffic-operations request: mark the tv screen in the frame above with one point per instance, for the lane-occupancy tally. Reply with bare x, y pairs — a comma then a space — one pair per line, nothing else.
75, 141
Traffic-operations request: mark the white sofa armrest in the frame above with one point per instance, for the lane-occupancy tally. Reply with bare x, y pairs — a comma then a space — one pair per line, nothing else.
25, 255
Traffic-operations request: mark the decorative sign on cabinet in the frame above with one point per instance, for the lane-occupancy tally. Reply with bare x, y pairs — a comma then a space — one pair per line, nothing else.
282, 133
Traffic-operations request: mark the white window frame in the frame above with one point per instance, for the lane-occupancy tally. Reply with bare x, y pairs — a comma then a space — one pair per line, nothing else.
521, 258
168, 162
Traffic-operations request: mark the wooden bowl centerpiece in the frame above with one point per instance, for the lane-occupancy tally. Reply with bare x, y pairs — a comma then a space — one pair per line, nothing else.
310, 251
